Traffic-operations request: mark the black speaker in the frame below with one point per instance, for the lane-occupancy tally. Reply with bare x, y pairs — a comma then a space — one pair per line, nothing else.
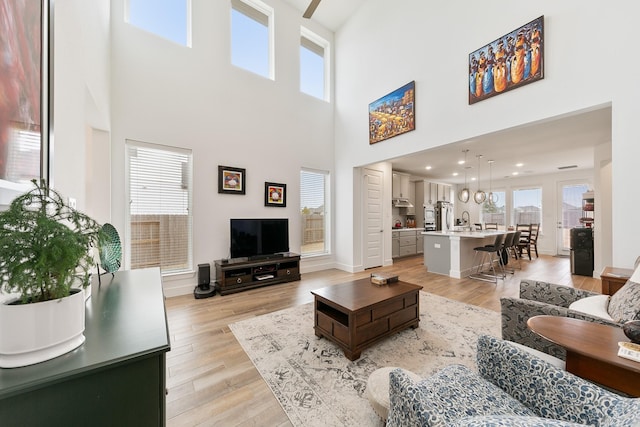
204, 289
204, 275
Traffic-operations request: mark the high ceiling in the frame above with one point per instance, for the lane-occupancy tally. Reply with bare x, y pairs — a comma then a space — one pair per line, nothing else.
330, 13
541, 147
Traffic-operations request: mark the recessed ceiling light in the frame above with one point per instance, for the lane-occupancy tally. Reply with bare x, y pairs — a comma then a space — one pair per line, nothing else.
473, 178
519, 165
428, 168
455, 174
514, 173
461, 162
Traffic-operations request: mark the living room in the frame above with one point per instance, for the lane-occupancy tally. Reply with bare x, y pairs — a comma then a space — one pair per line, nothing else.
114, 83
117, 106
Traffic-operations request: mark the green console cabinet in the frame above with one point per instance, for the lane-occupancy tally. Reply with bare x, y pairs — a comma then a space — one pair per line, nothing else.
116, 378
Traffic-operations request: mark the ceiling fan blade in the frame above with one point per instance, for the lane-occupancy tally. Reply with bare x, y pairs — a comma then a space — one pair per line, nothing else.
312, 8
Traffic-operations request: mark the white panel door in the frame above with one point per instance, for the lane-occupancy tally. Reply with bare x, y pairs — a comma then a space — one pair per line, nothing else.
373, 228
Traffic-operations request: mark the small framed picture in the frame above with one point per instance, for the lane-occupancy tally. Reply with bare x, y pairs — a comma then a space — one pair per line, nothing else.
231, 180
275, 194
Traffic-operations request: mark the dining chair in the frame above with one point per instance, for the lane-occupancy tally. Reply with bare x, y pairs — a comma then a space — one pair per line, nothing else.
533, 238
490, 225
524, 242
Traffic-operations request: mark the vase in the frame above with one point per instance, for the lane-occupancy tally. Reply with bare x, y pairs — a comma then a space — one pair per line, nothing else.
33, 333
632, 330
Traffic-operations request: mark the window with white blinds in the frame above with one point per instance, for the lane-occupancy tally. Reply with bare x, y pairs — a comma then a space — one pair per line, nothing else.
160, 221
314, 212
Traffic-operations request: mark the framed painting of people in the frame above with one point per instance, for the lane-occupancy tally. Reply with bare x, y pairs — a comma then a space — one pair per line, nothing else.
393, 114
511, 61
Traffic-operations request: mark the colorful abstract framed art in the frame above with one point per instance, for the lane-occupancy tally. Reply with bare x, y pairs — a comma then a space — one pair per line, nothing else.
231, 180
511, 61
275, 194
393, 114
26, 49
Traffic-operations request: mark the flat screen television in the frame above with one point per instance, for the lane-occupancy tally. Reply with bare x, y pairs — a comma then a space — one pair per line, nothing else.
259, 238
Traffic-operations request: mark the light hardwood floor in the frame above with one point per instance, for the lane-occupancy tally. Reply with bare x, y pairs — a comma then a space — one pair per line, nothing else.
211, 380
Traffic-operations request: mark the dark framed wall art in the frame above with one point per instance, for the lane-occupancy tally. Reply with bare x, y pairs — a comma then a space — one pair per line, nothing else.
26, 46
275, 194
393, 114
513, 60
231, 180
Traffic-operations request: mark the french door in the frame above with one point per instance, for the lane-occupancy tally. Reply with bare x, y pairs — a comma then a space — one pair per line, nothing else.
569, 212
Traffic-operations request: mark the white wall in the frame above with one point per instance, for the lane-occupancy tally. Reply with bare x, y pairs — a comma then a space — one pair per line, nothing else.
81, 90
194, 98
383, 47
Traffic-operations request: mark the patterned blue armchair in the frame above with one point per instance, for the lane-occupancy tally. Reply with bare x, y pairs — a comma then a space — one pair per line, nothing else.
511, 388
538, 298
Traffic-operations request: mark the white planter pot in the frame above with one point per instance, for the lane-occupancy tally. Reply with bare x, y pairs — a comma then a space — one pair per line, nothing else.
33, 333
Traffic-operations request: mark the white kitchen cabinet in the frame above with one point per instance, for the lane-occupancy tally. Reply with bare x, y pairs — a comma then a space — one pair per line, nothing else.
395, 244
444, 193
400, 185
407, 242
403, 243
412, 199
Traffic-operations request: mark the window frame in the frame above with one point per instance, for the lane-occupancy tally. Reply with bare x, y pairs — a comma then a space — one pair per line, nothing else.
513, 200
326, 213
320, 43
129, 143
188, 24
256, 10
504, 204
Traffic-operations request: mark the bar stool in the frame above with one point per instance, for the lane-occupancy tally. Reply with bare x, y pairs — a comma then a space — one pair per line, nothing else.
505, 252
490, 251
513, 249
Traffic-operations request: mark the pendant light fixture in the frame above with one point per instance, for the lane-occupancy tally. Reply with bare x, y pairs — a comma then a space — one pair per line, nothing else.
492, 198
479, 196
464, 194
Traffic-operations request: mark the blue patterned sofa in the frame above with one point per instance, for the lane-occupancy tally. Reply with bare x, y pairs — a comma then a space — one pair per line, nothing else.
538, 298
511, 388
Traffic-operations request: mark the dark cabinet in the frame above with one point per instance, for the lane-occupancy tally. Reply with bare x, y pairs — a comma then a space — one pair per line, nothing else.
581, 241
116, 378
241, 274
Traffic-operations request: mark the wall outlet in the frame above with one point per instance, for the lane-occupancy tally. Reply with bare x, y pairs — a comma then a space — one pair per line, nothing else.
72, 203
436, 245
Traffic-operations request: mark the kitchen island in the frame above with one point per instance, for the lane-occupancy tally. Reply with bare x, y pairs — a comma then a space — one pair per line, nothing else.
451, 252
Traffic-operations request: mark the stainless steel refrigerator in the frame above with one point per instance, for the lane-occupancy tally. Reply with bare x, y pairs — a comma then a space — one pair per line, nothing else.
444, 216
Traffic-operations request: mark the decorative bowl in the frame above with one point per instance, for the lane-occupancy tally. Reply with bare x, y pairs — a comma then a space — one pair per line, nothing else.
632, 330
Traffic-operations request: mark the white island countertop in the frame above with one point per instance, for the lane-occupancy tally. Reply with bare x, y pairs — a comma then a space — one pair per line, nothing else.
480, 234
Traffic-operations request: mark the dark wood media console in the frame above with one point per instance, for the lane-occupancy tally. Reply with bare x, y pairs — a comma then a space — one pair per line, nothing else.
239, 274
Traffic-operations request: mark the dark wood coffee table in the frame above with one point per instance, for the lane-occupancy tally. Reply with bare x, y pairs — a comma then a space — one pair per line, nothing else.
358, 314
592, 351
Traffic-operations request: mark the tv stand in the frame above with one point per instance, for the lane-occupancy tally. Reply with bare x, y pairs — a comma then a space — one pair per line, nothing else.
263, 257
239, 274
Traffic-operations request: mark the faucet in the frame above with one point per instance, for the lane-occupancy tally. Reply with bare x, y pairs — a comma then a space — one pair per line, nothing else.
465, 217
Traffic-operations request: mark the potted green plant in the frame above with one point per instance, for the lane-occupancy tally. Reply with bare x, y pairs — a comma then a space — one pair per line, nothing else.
45, 263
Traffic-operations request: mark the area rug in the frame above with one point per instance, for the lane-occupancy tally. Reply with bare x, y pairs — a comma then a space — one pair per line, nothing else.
318, 386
